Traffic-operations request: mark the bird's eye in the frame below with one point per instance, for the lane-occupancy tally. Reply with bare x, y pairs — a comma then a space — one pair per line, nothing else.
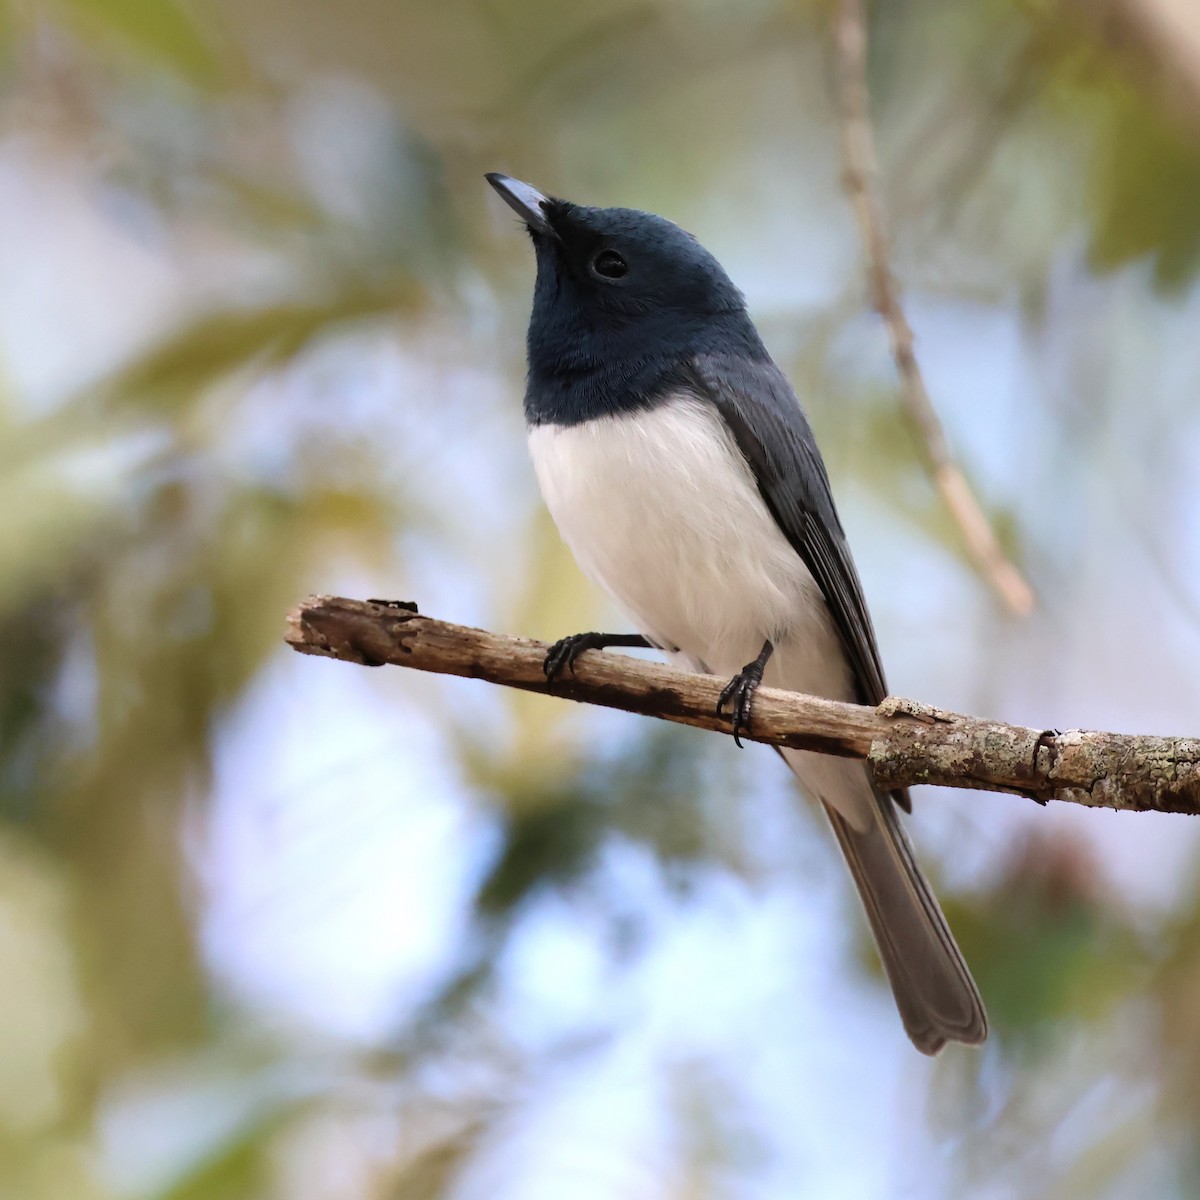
610, 265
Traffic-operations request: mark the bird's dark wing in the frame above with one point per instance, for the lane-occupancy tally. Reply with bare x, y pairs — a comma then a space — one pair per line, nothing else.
770, 428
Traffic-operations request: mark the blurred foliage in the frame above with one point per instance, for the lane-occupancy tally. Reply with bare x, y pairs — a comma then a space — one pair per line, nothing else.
296, 190
1082, 962
165, 31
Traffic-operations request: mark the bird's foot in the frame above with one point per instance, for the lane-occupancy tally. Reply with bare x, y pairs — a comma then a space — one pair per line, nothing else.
566, 650
738, 693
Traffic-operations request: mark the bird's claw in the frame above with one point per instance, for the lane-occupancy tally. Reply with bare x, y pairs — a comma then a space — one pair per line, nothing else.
566, 650
738, 693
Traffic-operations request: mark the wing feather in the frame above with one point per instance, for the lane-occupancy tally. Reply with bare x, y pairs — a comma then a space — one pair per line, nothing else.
772, 432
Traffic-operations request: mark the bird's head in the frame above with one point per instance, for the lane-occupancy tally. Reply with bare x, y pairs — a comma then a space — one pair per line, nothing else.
618, 262
615, 285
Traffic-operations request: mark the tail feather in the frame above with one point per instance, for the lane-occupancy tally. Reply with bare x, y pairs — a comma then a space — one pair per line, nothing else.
936, 996
934, 991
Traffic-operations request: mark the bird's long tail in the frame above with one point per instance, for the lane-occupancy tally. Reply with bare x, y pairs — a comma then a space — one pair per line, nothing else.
936, 996
934, 991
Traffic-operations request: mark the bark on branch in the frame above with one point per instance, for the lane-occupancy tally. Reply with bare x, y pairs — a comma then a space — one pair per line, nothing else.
905, 742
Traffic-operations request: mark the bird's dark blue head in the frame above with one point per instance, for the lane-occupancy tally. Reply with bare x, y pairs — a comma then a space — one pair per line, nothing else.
624, 300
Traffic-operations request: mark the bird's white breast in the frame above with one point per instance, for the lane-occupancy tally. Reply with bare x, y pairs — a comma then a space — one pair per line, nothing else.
661, 509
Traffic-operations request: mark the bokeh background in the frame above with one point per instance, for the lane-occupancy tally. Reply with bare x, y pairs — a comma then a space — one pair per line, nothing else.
273, 926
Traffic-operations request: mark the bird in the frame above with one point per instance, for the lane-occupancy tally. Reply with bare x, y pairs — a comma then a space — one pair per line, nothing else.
681, 471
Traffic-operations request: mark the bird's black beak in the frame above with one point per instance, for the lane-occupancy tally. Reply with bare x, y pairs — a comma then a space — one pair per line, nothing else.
527, 202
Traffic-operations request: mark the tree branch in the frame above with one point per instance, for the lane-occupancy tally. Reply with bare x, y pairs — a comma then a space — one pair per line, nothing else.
860, 173
905, 742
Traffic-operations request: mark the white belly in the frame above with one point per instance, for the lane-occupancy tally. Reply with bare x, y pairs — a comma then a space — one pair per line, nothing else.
662, 511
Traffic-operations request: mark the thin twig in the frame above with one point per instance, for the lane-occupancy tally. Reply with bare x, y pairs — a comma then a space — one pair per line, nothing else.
861, 171
905, 742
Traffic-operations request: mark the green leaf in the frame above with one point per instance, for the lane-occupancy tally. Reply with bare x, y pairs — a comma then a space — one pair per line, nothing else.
240, 1168
43, 526
1145, 185
161, 29
216, 344
174, 373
